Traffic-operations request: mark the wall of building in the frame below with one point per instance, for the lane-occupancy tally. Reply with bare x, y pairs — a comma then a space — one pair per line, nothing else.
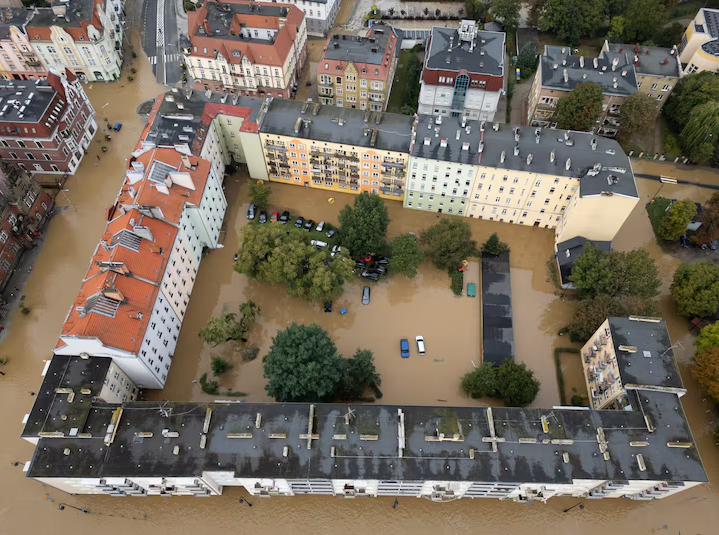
117, 386
319, 16
351, 89
596, 218
479, 104
239, 144
657, 87
18, 60
438, 185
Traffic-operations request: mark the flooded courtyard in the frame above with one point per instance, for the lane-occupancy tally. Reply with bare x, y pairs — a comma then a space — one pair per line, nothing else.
399, 308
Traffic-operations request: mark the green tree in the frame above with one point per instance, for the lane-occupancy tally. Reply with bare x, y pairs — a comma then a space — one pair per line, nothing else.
220, 366
480, 382
528, 59
476, 9
676, 219
571, 20
508, 12
359, 374
406, 255
695, 289
690, 92
706, 371
616, 28
494, 247
709, 229
643, 18
219, 330
276, 254
209, 387
700, 137
259, 193
591, 312
302, 365
638, 114
616, 274
516, 384
363, 228
249, 311
708, 337
448, 243
670, 36
580, 108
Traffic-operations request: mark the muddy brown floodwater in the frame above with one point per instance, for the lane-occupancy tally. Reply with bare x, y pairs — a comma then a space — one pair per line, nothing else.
399, 308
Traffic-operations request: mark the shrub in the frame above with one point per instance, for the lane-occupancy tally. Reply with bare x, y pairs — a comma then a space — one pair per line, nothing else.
249, 353
480, 382
456, 282
220, 366
188, 5
494, 247
23, 309
209, 387
577, 400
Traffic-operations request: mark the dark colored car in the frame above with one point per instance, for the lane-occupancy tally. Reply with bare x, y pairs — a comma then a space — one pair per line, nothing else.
379, 269
251, 212
263, 217
365, 295
274, 216
360, 265
383, 260
309, 225
328, 307
371, 276
404, 348
300, 221
285, 217
308, 83
331, 233
685, 241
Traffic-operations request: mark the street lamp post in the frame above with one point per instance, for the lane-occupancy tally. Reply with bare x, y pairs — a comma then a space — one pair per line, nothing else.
664, 180
580, 505
103, 110
64, 192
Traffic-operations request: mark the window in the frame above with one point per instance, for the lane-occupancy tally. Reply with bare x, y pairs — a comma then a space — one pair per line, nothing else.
654, 86
666, 87
660, 97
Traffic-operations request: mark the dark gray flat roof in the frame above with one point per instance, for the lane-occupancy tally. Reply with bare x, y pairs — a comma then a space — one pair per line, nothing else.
13, 16
50, 407
497, 332
368, 447
553, 77
650, 60
593, 167
343, 47
487, 51
394, 131
24, 101
76, 11
220, 15
651, 360
568, 251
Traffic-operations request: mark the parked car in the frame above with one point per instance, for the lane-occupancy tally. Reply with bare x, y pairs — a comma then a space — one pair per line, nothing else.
274, 216
328, 307
331, 233
714, 244
251, 212
420, 344
684, 239
318, 243
300, 221
263, 216
371, 276
308, 225
320, 226
367, 258
360, 265
383, 260
336, 249
404, 348
381, 270
285, 217
365, 295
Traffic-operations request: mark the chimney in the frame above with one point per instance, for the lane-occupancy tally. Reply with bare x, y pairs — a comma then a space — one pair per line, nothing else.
529, 158
596, 63
427, 140
516, 134
594, 144
568, 165
465, 146
501, 157
480, 148
552, 156
581, 61
566, 76
443, 141
458, 133
516, 150
615, 62
624, 73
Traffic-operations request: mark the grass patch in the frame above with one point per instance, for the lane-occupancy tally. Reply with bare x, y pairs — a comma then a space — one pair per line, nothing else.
406, 80
560, 374
232, 394
656, 210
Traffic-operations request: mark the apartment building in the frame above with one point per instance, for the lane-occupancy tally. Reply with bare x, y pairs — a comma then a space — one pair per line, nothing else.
24, 208
18, 60
134, 297
560, 71
319, 14
463, 73
83, 36
336, 149
69, 388
357, 72
658, 69
522, 175
626, 358
245, 47
699, 47
46, 126
517, 454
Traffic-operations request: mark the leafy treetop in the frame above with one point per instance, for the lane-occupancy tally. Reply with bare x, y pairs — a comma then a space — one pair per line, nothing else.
696, 289
494, 247
676, 219
706, 371
406, 255
448, 243
708, 337
638, 114
259, 193
363, 228
579, 109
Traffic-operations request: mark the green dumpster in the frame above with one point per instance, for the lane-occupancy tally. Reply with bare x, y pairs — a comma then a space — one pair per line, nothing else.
471, 289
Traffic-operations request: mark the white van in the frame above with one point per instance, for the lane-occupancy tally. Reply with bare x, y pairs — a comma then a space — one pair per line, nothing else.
318, 243
420, 344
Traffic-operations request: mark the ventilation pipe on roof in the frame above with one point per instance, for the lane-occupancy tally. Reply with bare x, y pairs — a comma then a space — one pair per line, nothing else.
516, 150
501, 157
566, 76
552, 156
594, 144
568, 165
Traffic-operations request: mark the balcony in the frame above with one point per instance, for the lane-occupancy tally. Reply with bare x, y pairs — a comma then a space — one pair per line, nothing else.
271, 146
393, 164
32, 63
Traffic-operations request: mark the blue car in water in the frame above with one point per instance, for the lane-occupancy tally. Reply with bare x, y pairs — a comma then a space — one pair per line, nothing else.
404, 348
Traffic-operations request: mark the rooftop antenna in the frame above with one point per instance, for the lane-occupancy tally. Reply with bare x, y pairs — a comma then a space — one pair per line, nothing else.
350, 414
674, 345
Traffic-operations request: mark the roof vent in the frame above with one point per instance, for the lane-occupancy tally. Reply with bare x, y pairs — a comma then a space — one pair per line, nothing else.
593, 143
516, 134
458, 133
596, 63
427, 140
495, 127
566, 76
568, 165
581, 61
641, 463
443, 141
465, 146
516, 150
501, 157
479, 149
529, 158
628, 349
552, 156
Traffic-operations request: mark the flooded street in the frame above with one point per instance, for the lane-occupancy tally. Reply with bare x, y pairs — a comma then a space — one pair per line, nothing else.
399, 308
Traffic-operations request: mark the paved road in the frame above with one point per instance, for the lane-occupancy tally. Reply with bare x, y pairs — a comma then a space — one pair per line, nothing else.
160, 39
